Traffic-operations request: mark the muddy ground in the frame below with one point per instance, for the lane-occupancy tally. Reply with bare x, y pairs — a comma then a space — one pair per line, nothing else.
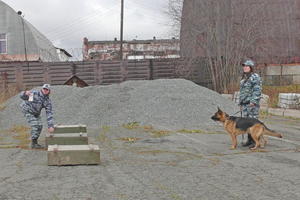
142, 162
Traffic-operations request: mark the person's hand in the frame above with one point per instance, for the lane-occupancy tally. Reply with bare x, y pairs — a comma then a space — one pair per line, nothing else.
51, 130
27, 93
252, 104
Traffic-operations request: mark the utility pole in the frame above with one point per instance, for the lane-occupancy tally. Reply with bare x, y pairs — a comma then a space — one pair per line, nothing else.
24, 39
121, 30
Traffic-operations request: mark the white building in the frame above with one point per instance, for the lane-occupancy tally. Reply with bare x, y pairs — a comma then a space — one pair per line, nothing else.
20, 41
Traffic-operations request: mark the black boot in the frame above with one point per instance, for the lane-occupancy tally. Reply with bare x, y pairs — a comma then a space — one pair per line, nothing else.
250, 142
35, 145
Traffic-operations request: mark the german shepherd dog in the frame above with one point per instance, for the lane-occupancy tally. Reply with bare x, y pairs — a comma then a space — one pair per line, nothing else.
239, 125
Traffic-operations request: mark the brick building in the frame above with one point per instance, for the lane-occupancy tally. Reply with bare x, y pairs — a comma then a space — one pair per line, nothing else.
134, 49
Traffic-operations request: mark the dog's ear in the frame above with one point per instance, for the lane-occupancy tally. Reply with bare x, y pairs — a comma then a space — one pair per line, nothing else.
219, 110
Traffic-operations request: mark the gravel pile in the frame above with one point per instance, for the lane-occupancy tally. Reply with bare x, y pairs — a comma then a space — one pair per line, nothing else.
166, 103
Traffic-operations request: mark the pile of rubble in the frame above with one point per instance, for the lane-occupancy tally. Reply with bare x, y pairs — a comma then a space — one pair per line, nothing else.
164, 103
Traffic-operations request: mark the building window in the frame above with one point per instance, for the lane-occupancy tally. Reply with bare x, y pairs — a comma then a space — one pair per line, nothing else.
3, 43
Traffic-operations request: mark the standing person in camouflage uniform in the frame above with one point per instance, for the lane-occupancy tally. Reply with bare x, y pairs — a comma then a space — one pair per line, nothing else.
34, 102
250, 94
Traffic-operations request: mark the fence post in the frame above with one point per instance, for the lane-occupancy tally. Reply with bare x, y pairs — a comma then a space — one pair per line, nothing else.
19, 77
46, 73
4, 81
124, 70
150, 77
98, 73
73, 69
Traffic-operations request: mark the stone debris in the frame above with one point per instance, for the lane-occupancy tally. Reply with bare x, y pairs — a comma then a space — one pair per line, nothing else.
164, 103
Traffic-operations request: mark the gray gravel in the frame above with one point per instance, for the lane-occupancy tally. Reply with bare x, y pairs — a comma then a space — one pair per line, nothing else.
181, 166
170, 104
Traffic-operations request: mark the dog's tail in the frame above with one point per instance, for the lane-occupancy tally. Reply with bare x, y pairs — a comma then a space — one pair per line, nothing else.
272, 133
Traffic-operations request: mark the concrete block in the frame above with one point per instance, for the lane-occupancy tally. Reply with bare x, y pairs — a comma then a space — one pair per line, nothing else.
67, 139
73, 155
70, 129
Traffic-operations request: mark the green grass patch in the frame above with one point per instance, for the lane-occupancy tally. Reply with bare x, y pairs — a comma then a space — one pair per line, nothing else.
21, 133
199, 131
131, 125
190, 131
162, 133
129, 139
146, 128
187, 155
7, 93
15, 137
102, 135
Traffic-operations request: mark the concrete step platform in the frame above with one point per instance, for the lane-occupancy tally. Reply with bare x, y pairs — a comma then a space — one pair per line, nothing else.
67, 139
59, 155
70, 129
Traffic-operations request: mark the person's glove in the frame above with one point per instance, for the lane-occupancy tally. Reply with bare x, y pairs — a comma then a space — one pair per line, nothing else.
50, 129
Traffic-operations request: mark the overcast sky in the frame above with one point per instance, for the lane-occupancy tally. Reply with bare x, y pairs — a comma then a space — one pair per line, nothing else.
66, 22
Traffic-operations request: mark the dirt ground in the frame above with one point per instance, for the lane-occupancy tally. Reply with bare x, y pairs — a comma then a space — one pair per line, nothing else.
141, 162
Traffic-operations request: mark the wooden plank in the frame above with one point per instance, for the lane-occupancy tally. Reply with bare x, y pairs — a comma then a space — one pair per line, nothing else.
73, 155
110, 81
112, 77
70, 129
135, 78
67, 139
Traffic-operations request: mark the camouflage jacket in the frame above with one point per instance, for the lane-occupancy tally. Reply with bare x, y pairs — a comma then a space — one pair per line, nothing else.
36, 103
250, 89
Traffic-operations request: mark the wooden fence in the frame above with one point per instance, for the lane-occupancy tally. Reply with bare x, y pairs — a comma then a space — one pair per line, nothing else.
32, 74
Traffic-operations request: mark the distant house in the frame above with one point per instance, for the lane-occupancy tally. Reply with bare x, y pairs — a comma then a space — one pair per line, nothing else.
132, 50
20, 41
76, 82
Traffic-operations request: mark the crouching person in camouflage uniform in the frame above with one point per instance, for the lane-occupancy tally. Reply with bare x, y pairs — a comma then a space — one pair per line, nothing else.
34, 102
250, 94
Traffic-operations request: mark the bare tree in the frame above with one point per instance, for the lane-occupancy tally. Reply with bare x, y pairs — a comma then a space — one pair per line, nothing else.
226, 32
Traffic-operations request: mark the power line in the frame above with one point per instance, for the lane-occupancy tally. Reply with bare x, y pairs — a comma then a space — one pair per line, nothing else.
150, 15
143, 5
76, 20
67, 34
68, 27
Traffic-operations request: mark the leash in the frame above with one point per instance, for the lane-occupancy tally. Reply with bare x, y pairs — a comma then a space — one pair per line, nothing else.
238, 112
241, 110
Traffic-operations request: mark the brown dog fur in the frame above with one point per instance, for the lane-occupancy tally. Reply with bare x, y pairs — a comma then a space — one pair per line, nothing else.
238, 125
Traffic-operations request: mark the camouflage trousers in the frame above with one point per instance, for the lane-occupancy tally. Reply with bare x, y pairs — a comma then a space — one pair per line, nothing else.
250, 111
36, 125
